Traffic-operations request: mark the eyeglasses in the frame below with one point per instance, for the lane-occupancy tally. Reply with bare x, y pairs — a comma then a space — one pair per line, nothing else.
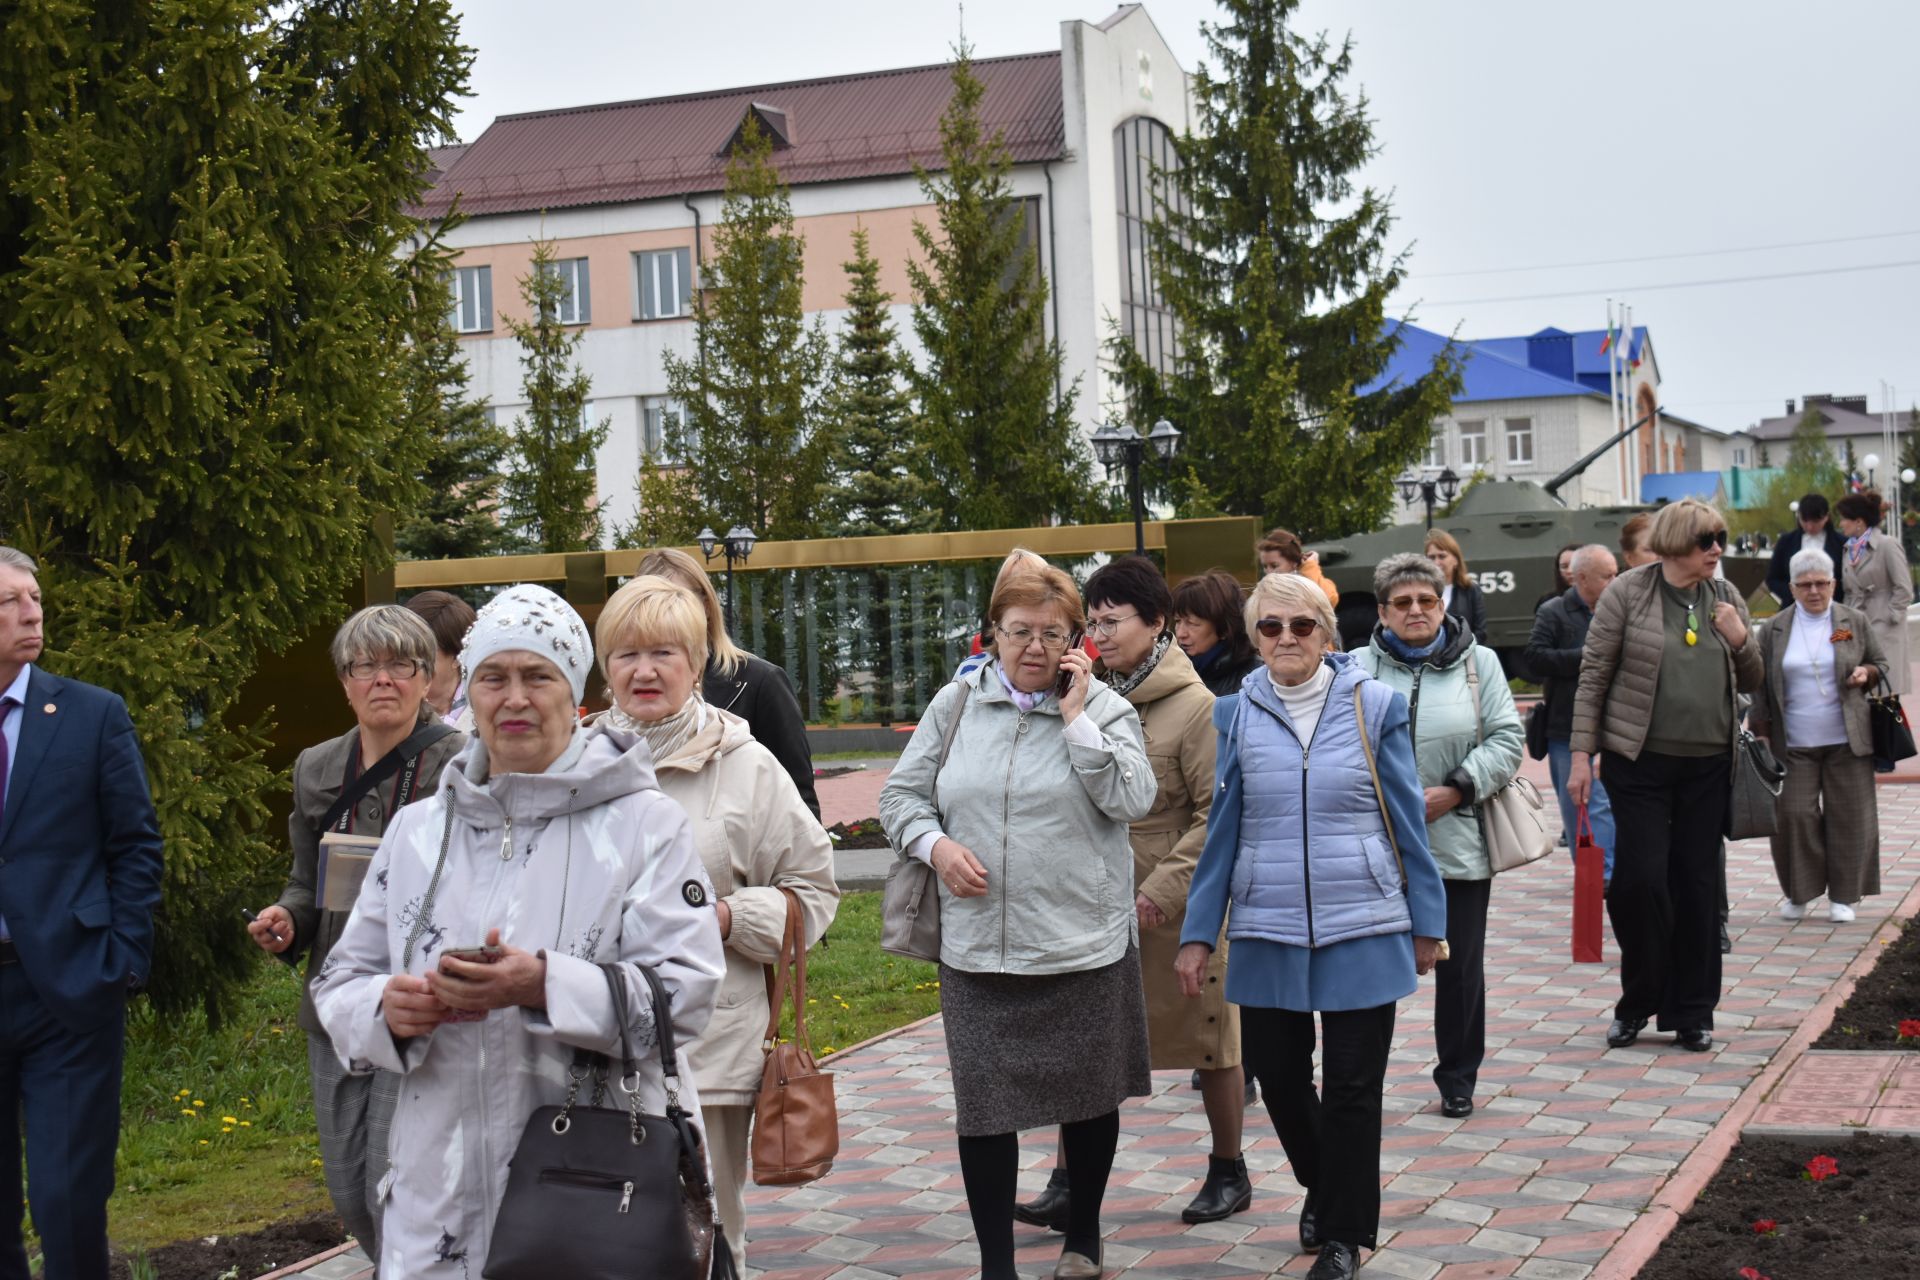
1107, 626
1272, 627
1021, 637
1407, 603
1814, 584
397, 668
1707, 541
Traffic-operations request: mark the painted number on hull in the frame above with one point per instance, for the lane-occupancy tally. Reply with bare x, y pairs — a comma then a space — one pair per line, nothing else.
1493, 582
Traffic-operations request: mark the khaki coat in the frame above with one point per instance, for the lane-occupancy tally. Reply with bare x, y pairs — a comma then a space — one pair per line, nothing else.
755, 836
1768, 717
1881, 587
1176, 721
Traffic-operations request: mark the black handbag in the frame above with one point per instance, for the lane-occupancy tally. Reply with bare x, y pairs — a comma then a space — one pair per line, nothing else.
1758, 777
1537, 730
607, 1193
1892, 735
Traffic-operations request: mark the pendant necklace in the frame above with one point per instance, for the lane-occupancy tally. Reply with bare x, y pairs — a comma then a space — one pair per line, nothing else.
1693, 623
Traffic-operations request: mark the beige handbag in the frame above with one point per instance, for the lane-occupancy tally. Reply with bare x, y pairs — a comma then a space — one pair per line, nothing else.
1513, 820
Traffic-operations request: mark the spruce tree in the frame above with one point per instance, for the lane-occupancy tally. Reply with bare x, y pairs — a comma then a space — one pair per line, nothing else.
550, 485
1001, 446
202, 362
1276, 271
877, 487
754, 443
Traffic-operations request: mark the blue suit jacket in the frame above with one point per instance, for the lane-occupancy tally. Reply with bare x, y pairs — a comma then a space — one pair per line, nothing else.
79, 851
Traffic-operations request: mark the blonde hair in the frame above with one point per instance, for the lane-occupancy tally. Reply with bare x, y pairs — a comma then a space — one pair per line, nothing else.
1447, 543
1677, 525
677, 566
652, 610
1290, 590
1038, 589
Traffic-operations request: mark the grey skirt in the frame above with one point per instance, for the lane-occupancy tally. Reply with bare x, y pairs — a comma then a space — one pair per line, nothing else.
1028, 1051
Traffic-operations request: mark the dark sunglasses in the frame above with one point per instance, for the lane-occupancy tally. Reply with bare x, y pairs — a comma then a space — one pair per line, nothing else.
1707, 541
1272, 627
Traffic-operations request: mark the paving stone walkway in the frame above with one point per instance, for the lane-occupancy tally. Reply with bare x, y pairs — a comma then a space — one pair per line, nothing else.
1571, 1141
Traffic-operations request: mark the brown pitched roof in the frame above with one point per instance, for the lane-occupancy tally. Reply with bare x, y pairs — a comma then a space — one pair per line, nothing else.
860, 126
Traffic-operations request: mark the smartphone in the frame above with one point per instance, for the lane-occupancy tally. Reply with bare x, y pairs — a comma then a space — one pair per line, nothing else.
472, 955
1065, 682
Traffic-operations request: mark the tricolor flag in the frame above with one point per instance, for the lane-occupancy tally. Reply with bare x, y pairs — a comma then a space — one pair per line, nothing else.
1607, 344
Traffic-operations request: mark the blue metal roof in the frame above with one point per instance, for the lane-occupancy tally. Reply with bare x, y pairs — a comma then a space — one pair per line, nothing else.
1495, 369
1672, 486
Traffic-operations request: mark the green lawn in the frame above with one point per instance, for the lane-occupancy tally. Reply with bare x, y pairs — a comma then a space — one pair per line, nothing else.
217, 1128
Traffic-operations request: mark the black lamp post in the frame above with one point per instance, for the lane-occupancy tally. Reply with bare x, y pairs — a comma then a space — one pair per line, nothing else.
1429, 489
1122, 449
736, 546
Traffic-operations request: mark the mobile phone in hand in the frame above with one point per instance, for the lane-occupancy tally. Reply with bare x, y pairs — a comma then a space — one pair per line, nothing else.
472, 955
1065, 682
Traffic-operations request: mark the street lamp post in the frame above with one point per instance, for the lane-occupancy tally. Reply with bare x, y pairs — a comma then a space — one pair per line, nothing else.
736, 546
1429, 488
1122, 449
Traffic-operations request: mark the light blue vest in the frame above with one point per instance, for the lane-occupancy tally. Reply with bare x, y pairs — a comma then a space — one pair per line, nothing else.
1315, 865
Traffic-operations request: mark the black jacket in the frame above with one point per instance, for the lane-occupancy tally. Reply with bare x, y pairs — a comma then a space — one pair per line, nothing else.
1223, 675
762, 695
1780, 582
1553, 655
1471, 608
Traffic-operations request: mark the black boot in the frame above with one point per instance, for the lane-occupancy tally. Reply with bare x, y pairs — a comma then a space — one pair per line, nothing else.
1227, 1191
1309, 1225
1049, 1208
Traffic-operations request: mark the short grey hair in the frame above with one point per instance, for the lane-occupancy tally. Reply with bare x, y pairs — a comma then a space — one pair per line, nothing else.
1292, 590
1591, 552
1809, 560
12, 559
1408, 566
384, 631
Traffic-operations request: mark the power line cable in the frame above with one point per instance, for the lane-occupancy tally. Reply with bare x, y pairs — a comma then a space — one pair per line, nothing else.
1675, 284
1662, 257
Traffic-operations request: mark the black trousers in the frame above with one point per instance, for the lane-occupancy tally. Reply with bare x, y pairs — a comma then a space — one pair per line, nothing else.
1460, 990
1332, 1137
1670, 813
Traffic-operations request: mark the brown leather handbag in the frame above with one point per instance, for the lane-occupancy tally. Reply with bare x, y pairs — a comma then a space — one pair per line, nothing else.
796, 1127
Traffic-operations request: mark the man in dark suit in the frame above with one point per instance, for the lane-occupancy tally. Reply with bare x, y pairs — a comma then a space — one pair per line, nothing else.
79, 879
1816, 530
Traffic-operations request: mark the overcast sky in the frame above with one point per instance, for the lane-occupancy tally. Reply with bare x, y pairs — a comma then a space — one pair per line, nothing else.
1519, 138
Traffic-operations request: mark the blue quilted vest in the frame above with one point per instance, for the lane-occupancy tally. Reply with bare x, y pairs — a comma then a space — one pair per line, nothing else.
1315, 865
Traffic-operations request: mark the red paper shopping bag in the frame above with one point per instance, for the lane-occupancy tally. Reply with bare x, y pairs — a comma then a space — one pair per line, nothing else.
1589, 888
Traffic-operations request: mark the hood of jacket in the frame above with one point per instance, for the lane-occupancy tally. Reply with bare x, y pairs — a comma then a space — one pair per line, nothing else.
1458, 644
595, 769
1171, 674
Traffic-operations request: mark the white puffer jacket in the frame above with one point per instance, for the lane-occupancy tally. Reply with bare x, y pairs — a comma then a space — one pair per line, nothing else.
589, 862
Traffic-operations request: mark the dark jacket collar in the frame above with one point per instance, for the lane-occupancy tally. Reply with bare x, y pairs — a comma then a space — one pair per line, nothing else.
1459, 643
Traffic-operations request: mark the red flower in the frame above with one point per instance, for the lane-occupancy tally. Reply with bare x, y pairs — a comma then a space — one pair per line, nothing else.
1820, 1168
1765, 1226
1910, 1028
1753, 1273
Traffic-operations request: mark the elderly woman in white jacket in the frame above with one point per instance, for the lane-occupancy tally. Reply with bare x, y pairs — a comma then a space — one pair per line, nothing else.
557, 846
754, 833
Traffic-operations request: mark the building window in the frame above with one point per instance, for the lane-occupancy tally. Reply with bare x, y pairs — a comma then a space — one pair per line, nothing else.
657, 415
576, 299
472, 299
1739, 457
1143, 155
1520, 442
1473, 443
1436, 450
663, 284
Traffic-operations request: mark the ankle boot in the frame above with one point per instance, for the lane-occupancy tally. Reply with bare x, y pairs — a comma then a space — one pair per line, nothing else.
1227, 1191
1049, 1208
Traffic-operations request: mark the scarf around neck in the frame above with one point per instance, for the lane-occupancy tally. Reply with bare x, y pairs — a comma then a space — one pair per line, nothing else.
668, 734
1406, 652
1123, 685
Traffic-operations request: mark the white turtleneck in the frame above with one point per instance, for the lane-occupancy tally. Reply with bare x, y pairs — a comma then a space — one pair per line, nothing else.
1304, 701
1812, 703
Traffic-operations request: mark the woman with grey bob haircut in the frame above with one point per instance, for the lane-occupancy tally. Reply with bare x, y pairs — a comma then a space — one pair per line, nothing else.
355, 784
1820, 659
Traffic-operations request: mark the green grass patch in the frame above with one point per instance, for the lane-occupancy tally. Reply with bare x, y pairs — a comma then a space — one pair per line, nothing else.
856, 991
831, 757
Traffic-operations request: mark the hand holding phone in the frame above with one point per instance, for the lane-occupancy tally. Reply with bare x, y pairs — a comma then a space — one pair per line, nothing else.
1065, 681
469, 955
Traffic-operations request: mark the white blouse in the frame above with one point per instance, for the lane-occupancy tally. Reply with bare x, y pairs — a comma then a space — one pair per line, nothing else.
1812, 703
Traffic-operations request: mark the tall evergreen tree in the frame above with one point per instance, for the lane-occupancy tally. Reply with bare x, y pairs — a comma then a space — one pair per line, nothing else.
550, 486
1001, 446
201, 370
1276, 271
878, 486
754, 442
459, 512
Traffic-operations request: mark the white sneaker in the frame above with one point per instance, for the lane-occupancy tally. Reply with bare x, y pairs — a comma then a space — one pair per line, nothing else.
1791, 910
1839, 913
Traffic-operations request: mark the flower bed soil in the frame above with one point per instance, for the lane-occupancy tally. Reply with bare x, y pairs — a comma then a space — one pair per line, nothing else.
1858, 1223
1887, 996
244, 1256
863, 834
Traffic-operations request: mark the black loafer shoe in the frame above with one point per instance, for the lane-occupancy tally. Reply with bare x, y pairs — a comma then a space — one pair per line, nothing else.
1695, 1040
1309, 1226
1336, 1262
1194, 1080
1624, 1032
1049, 1208
1456, 1108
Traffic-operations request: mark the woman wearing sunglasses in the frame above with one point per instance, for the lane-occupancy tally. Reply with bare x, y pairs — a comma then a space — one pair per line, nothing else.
1318, 838
1668, 653
1018, 789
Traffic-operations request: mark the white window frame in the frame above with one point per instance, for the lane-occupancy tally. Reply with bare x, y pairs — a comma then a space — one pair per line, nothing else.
1473, 443
1436, 450
576, 302
654, 444
1519, 433
655, 268
472, 289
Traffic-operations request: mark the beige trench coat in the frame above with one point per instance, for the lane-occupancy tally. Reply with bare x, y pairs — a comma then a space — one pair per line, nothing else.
1176, 720
1881, 587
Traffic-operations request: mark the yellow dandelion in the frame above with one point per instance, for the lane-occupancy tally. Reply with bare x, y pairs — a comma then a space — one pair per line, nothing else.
277, 1031
198, 1103
203, 1142
228, 1120
246, 1124
314, 1163
185, 1112
826, 1048
228, 1129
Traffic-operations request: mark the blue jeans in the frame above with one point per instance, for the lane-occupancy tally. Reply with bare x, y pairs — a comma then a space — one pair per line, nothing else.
1599, 808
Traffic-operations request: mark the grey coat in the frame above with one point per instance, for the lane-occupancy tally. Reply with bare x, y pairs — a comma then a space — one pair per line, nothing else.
1047, 818
1768, 716
1881, 587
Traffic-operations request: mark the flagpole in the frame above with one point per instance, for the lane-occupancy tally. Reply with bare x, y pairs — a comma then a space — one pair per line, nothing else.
1613, 397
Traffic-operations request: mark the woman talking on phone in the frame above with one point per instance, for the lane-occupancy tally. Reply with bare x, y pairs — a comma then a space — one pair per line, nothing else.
1018, 788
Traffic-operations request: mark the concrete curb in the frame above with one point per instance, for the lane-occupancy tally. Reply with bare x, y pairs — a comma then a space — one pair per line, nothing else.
1643, 1239
314, 1261
838, 1054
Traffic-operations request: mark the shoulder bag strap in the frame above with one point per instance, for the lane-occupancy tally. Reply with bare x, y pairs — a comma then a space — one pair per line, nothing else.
1373, 771
946, 739
1473, 687
793, 956
663, 1030
419, 740
425, 912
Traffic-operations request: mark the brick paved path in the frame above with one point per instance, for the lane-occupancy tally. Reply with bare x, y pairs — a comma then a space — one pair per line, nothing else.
1571, 1139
